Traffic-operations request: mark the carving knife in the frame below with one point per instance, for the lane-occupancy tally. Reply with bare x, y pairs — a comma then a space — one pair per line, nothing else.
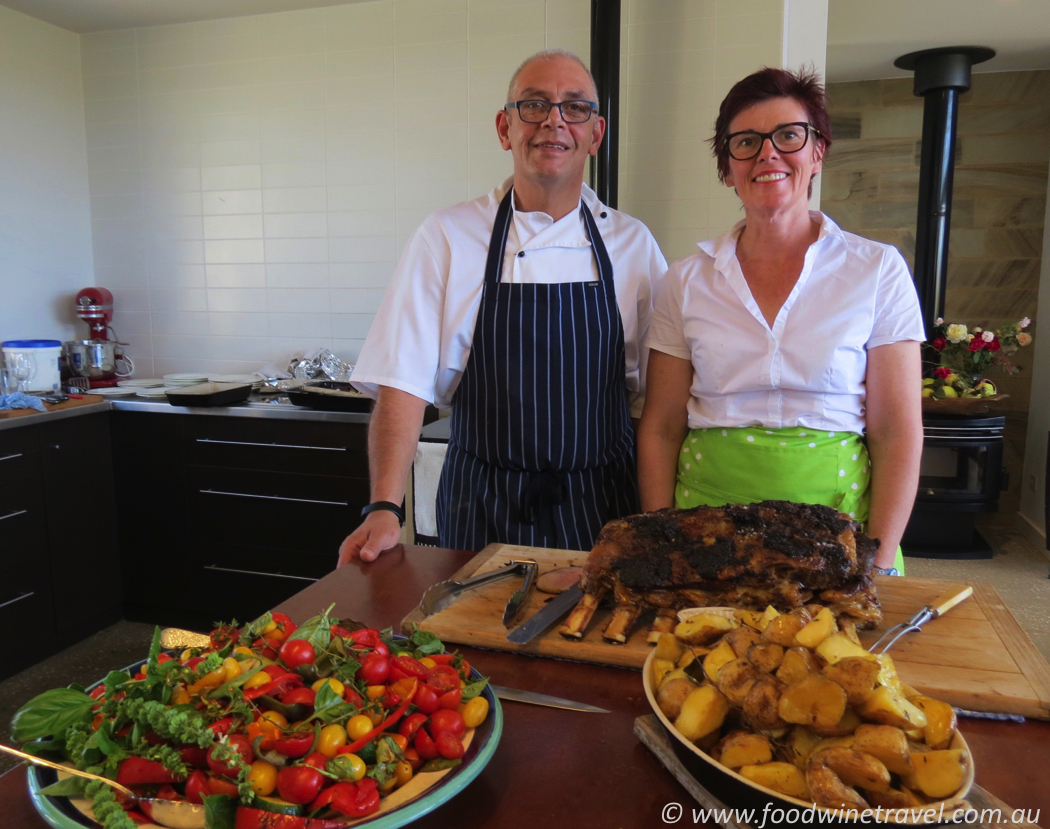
534, 698
941, 605
546, 616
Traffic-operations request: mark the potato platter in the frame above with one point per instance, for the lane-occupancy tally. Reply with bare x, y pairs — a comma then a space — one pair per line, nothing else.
792, 708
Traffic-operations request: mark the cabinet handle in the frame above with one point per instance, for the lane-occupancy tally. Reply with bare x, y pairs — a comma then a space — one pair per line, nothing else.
276, 498
274, 445
12, 515
10, 457
250, 573
26, 596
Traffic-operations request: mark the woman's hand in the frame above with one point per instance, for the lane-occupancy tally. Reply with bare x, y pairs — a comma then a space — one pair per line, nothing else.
663, 427
893, 417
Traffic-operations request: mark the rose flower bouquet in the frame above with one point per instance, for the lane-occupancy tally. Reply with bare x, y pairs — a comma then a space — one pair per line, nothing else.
966, 355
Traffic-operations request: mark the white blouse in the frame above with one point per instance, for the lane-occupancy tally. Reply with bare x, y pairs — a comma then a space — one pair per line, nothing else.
422, 335
853, 294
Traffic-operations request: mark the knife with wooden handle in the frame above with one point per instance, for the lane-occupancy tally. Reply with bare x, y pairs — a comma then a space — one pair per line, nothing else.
941, 605
949, 599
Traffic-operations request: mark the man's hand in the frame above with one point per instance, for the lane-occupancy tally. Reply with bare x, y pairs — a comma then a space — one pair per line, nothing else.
379, 531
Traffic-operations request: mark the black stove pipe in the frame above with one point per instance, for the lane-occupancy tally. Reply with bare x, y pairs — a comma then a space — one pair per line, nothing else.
941, 75
605, 66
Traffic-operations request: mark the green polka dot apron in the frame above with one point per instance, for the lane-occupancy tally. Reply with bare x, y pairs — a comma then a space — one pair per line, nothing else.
745, 465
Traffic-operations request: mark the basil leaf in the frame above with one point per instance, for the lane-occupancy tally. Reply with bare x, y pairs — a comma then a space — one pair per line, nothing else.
220, 811
236, 682
317, 631
255, 629
426, 644
49, 713
70, 787
49, 749
439, 764
104, 738
154, 648
473, 688
114, 679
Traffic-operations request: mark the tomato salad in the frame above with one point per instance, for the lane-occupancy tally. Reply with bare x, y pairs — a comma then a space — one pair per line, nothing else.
271, 725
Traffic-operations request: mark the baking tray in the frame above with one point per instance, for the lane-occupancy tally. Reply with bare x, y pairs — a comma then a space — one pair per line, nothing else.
331, 396
210, 394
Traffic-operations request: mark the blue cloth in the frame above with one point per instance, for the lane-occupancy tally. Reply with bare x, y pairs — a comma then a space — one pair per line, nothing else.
21, 401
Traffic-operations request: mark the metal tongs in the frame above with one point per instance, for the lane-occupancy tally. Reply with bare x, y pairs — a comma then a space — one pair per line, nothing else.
941, 605
444, 593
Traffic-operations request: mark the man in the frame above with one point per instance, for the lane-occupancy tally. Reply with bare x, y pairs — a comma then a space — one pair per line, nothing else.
524, 311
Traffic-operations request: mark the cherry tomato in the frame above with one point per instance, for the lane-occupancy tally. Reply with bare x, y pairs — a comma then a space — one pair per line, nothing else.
348, 765
294, 745
263, 777
443, 678
411, 724
332, 683
317, 760
220, 785
426, 699
354, 698
296, 652
474, 712
299, 784
242, 745
424, 746
365, 638
410, 666
333, 738
448, 745
413, 758
358, 726
302, 695
281, 618
274, 671
451, 699
374, 669
403, 772
197, 787
194, 756
447, 721
381, 648
339, 630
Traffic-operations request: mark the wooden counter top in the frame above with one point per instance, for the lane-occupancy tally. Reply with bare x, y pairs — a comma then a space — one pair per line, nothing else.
558, 768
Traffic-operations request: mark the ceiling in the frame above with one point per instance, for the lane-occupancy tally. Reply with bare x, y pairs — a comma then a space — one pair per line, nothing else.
864, 36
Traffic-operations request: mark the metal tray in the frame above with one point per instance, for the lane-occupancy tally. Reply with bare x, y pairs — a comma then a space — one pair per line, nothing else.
330, 396
210, 394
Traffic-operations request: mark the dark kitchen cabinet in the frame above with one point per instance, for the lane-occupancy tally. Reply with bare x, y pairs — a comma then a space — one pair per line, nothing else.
240, 513
58, 552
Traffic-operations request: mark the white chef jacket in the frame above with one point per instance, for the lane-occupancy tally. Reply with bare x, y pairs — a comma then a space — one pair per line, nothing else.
421, 337
809, 369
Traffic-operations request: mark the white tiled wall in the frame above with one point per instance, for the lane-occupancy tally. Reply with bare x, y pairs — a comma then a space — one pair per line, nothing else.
253, 180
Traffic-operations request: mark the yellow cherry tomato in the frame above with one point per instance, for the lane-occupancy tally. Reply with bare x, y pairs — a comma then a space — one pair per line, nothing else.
375, 691
271, 723
231, 668
332, 738
257, 681
428, 662
213, 679
179, 696
270, 627
336, 685
399, 740
243, 651
474, 711
186, 655
358, 726
402, 772
263, 777
389, 784
357, 765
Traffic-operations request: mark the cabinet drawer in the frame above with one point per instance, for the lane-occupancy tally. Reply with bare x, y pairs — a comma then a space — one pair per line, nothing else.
19, 451
22, 525
306, 513
26, 606
277, 445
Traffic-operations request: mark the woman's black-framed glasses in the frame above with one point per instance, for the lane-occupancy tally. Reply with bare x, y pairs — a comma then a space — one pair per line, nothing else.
536, 112
787, 138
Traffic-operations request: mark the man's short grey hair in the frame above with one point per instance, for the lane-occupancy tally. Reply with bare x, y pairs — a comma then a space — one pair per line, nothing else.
547, 54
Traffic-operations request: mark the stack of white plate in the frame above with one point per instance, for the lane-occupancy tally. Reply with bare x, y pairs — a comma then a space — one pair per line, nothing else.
191, 379
254, 380
115, 391
147, 383
156, 393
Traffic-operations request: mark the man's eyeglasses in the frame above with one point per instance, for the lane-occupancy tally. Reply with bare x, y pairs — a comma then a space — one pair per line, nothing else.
787, 138
536, 112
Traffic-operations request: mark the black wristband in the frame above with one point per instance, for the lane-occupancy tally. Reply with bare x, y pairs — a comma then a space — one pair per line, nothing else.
387, 505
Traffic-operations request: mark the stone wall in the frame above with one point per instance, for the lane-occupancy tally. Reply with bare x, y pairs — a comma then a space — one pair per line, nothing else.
871, 186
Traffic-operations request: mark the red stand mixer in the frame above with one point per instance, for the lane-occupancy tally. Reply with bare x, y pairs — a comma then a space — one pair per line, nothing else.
97, 359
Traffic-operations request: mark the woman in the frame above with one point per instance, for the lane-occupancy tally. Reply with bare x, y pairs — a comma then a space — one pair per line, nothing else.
784, 356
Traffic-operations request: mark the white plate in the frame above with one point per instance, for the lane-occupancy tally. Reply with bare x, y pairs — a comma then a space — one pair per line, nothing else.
161, 392
185, 378
115, 391
235, 378
149, 383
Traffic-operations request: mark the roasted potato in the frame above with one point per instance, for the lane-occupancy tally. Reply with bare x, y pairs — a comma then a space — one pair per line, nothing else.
658, 670
798, 746
714, 661
735, 679
766, 656
822, 626
703, 628
940, 721
741, 639
885, 707
742, 748
702, 713
886, 743
837, 646
785, 627
762, 704
797, 663
813, 700
894, 799
751, 618
938, 774
780, 777
847, 725
669, 647
672, 695
854, 768
855, 675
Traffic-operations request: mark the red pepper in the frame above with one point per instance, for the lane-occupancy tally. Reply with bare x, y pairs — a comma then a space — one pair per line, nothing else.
357, 745
137, 771
295, 745
276, 688
248, 818
222, 726
194, 756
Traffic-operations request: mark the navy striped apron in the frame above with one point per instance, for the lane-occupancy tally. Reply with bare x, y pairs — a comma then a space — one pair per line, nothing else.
542, 446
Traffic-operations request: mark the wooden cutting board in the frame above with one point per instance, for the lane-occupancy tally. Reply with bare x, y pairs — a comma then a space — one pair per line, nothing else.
975, 657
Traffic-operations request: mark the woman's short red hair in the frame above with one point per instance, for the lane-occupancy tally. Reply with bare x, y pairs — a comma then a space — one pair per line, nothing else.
766, 83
